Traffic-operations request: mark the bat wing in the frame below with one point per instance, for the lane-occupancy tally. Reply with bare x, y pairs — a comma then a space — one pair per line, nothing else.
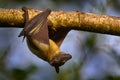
40, 32
58, 35
37, 27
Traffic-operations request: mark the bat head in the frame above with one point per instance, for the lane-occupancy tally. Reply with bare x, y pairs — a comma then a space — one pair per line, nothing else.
59, 60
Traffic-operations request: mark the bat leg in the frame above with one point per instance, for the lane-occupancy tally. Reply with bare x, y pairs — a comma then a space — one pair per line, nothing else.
25, 15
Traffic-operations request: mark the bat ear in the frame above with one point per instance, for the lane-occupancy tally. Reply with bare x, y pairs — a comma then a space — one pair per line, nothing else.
59, 60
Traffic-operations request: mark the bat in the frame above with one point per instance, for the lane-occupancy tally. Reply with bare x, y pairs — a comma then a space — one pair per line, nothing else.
38, 41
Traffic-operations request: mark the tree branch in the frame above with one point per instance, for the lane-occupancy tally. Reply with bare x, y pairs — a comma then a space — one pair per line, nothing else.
60, 20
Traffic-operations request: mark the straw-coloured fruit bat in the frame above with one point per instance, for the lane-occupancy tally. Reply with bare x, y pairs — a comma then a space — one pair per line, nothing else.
37, 37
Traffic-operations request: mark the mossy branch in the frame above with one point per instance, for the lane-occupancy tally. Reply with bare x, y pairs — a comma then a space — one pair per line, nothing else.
65, 20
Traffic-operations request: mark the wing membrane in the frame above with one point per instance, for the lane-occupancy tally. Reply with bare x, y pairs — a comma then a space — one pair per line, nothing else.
37, 27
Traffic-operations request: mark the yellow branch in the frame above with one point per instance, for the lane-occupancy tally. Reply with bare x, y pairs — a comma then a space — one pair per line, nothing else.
61, 20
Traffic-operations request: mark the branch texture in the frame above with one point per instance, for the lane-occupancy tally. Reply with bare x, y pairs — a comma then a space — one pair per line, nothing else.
60, 20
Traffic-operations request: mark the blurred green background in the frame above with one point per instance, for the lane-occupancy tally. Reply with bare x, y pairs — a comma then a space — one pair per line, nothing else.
95, 56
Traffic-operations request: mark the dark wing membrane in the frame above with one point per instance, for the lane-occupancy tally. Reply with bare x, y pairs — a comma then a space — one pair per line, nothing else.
40, 33
38, 19
37, 27
58, 35
34, 22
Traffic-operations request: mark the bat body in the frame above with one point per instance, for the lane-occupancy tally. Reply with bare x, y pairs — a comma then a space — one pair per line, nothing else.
37, 37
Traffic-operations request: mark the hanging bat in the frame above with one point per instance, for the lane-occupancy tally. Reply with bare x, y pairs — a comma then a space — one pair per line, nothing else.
37, 37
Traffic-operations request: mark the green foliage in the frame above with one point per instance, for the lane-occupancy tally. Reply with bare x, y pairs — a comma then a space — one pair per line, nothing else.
70, 73
109, 77
19, 74
15, 73
115, 4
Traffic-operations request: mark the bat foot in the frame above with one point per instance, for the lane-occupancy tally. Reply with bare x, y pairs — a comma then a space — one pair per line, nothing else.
59, 60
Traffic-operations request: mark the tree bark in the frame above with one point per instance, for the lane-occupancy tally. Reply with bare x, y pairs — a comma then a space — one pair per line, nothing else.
60, 20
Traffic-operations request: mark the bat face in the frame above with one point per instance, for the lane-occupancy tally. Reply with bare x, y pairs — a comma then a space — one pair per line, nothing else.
59, 60
36, 32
